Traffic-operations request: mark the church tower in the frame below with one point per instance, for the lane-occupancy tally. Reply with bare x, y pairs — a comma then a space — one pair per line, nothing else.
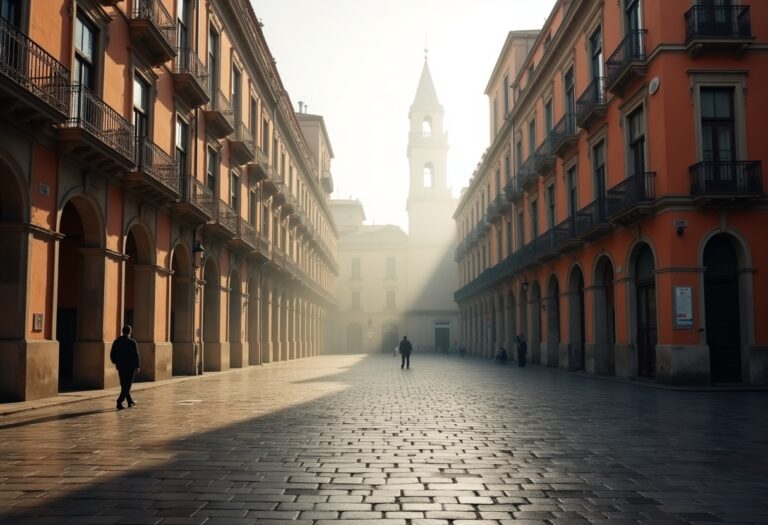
432, 273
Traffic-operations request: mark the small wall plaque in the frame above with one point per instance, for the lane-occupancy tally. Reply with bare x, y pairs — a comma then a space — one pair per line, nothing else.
37, 322
44, 189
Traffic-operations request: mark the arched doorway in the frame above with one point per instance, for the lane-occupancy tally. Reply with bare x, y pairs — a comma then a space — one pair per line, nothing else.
211, 319
645, 311
235, 330
182, 312
79, 311
510, 319
354, 338
576, 319
390, 337
553, 321
721, 302
139, 296
600, 360
535, 336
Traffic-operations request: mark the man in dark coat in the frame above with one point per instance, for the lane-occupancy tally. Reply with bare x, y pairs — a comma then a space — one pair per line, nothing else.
405, 352
125, 356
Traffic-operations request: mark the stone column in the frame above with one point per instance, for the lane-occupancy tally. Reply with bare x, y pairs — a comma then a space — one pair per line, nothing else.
183, 345
267, 313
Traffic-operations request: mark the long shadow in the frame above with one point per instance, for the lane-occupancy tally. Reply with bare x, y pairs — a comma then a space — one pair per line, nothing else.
55, 417
516, 422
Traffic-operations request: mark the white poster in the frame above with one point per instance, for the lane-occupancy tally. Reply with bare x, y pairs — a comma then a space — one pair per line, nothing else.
683, 306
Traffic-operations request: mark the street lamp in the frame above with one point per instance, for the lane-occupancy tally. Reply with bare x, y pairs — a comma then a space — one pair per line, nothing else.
525, 285
198, 252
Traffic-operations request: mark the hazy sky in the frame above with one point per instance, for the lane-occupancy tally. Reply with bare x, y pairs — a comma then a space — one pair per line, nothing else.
357, 63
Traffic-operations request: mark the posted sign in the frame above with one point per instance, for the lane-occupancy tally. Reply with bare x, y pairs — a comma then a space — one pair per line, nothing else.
683, 307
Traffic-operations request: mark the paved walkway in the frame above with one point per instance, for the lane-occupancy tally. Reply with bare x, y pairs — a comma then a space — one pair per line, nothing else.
356, 439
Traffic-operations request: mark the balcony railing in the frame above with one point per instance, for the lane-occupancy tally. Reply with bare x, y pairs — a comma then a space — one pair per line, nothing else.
718, 22
527, 172
591, 220
154, 162
224, 222
726, 178
190, 77
544, 159
242, 147
630, 195
196, 202
245, 235
219, 117
563, 134
629, 57
32, 69
591, 103
153, 30
94, 116
513, 190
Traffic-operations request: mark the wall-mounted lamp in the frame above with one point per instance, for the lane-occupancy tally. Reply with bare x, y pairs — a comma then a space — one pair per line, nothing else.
525, 285
198, 252
680, 226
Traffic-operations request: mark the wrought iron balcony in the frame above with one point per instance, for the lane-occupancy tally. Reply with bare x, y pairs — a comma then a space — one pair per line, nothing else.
156, 175
566, 238
563, 135
153, 31
591, 221
190, 78
631, 199
223, 224
245, 238
726, 180
513, 190
527, 173
717, 27
242, 148
196, 203
626, 62
263, 247
591, 105
544, 159
219, 117
326, 181
34, 86
259, 169
494, 208
96, 133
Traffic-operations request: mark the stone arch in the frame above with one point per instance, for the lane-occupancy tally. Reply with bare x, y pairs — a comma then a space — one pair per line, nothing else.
599, 356
211, 314
642, 308
576, 319
390, 336
139, 289
14, 198
182, 310
534, 338
552, 304
426, 126
79, 311
235, 319
728, 316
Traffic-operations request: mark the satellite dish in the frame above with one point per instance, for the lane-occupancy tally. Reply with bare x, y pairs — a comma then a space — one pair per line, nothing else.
653, 86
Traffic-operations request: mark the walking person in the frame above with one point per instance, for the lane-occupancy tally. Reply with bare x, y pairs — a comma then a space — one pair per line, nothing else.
405, 352
125, 356
522, 350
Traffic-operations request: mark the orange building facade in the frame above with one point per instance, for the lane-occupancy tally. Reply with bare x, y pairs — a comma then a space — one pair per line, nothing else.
617, 218
153, 172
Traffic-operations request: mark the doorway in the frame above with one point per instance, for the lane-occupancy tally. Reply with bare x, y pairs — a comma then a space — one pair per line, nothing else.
645, 283
442, 337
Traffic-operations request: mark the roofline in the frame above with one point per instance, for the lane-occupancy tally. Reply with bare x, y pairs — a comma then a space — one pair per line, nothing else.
511, 36
310, 116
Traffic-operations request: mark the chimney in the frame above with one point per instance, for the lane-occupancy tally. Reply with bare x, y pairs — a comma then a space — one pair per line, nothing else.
301, 106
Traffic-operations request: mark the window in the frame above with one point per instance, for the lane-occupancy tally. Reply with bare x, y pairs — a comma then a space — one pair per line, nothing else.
182, 141
636, 127
265, 219
253, 207
520, 230
10, 10
548, 117
212, 170
509, 236
505, 91
236, 98
213, 62
252, 117
495, 116
265, 137
355, 269
426, 126
390, 269
598, 169
498, 180
596, 54
718, 128
85, 52
355, 300
568, 89
534, 219
518, 155
532, 137
499, 237
507, 168
140, 107
234, 195
570, 180
390, 299
182, 24
551, 206
428, 181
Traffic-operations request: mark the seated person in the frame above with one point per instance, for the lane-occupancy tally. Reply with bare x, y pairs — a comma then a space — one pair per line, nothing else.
501, 355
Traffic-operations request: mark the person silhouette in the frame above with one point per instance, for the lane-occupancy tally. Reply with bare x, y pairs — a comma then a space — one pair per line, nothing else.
405, 352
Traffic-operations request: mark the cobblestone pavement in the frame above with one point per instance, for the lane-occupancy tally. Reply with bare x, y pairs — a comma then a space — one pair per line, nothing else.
356, 439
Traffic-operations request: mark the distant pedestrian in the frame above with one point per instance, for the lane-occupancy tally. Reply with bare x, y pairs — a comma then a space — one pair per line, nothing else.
125, 356
405, 352
462, 351
522, 350
501, 355
394, 354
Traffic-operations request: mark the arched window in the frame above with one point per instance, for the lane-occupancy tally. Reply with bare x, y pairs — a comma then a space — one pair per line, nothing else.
428, 175
426, 126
